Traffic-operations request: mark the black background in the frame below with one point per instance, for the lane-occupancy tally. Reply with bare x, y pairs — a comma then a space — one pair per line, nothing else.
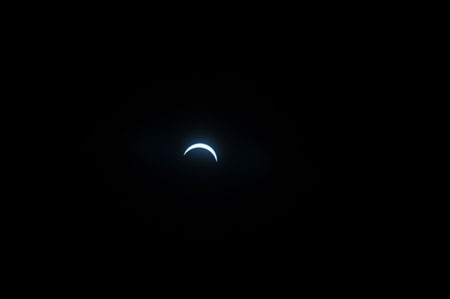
111, 119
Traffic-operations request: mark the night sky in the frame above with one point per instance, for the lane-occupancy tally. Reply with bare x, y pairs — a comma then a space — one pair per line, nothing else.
292, 113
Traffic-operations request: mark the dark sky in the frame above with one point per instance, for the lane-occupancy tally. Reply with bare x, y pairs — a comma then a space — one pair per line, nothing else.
125, 177
110, 120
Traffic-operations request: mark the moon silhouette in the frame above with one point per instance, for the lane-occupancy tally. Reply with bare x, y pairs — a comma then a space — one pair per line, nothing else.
203, 146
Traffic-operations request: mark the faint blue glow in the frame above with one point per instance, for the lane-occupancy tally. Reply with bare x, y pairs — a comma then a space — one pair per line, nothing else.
203, 146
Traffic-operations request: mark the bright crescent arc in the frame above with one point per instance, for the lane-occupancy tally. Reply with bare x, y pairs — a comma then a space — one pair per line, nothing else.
203, 146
